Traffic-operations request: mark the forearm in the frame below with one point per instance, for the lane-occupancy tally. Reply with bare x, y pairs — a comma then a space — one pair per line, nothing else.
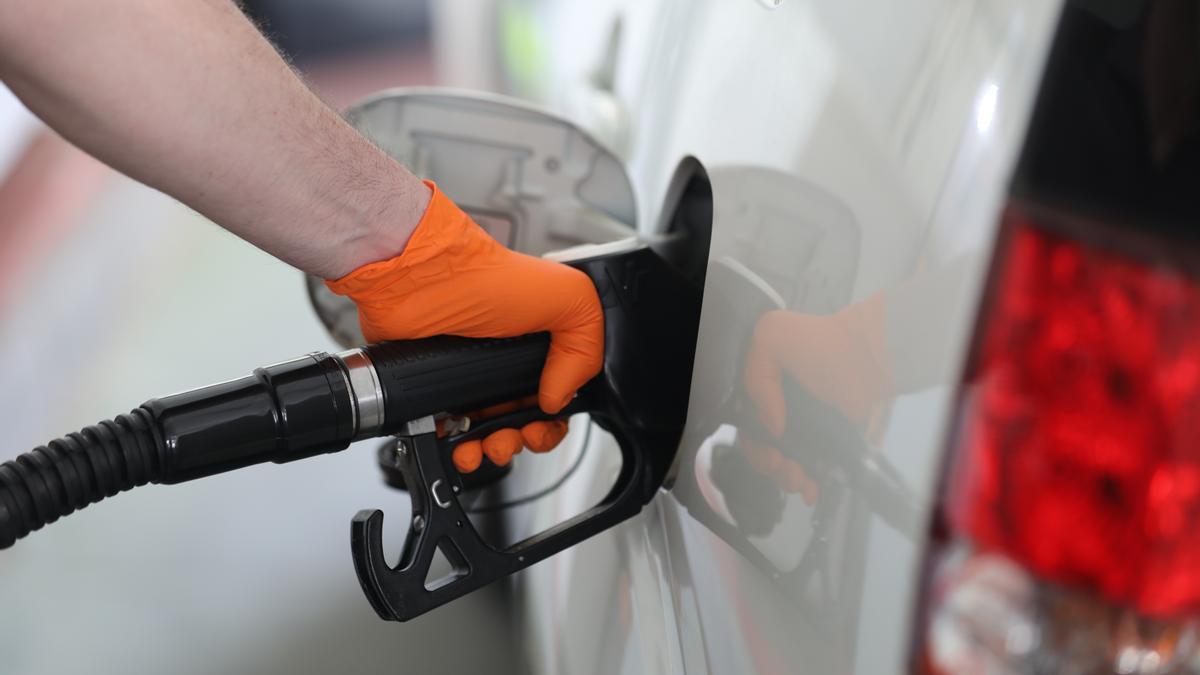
188, 97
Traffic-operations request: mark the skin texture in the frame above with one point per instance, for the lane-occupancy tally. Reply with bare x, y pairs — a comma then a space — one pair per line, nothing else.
188, 97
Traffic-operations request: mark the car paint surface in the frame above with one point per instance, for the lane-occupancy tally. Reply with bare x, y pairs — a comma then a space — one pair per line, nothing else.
859, 154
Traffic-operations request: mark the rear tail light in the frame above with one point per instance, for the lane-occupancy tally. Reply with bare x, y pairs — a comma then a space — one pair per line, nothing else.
1067, 539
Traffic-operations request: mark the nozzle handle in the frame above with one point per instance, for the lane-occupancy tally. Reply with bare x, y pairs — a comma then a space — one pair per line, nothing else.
454, 374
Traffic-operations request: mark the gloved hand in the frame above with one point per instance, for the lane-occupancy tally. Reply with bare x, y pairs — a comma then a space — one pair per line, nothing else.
503, 444
839, 358
454, 279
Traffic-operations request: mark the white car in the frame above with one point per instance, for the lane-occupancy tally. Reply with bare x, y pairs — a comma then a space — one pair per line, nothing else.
942, 411
943, 404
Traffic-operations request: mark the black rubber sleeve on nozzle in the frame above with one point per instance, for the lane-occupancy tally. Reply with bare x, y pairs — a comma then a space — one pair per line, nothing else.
280, 413
453, 374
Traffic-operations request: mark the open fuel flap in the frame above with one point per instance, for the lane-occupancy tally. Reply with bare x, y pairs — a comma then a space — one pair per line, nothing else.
534, 181
540, 185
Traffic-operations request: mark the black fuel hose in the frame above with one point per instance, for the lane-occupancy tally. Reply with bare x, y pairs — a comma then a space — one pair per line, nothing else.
312, 405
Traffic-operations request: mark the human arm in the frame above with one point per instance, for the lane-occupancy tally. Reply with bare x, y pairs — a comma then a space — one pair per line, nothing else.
188, 97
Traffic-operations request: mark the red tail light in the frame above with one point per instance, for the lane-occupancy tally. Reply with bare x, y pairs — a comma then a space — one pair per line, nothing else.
1068, 536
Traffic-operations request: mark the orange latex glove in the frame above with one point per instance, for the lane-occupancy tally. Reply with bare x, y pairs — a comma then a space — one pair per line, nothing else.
454, 279
840, 358
502, 445
787, 474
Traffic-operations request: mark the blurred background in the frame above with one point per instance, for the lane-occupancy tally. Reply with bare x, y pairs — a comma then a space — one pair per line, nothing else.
111, 293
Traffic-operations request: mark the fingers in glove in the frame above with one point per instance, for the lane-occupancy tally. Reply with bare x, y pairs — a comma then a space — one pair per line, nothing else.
544, 436
793, 479
763, 458
500, 446
576, 350
763, 377
786, 473
467, 456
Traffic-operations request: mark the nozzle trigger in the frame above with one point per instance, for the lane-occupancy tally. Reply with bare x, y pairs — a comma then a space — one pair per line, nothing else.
439, 522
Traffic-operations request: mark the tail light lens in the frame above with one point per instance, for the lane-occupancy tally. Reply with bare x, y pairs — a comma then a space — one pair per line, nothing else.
1068, 534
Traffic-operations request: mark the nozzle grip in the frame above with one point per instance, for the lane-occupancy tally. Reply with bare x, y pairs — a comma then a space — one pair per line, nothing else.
454, 374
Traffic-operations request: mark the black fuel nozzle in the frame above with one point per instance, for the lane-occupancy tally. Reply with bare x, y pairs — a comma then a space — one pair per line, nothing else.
320, 403
651, 316
311, 405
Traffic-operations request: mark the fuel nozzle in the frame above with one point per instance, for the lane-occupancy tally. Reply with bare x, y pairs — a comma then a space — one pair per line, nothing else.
318, 403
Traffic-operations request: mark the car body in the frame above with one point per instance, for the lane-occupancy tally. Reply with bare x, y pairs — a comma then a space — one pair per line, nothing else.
852, 148
864, 184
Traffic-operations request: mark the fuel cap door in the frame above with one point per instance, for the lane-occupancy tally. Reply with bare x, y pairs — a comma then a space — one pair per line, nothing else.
535, 181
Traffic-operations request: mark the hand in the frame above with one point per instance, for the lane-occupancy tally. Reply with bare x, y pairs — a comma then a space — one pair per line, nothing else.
454, 279
502, 445
787, 474
839, 358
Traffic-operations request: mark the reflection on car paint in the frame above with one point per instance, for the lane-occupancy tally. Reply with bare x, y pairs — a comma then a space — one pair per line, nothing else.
794, 489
